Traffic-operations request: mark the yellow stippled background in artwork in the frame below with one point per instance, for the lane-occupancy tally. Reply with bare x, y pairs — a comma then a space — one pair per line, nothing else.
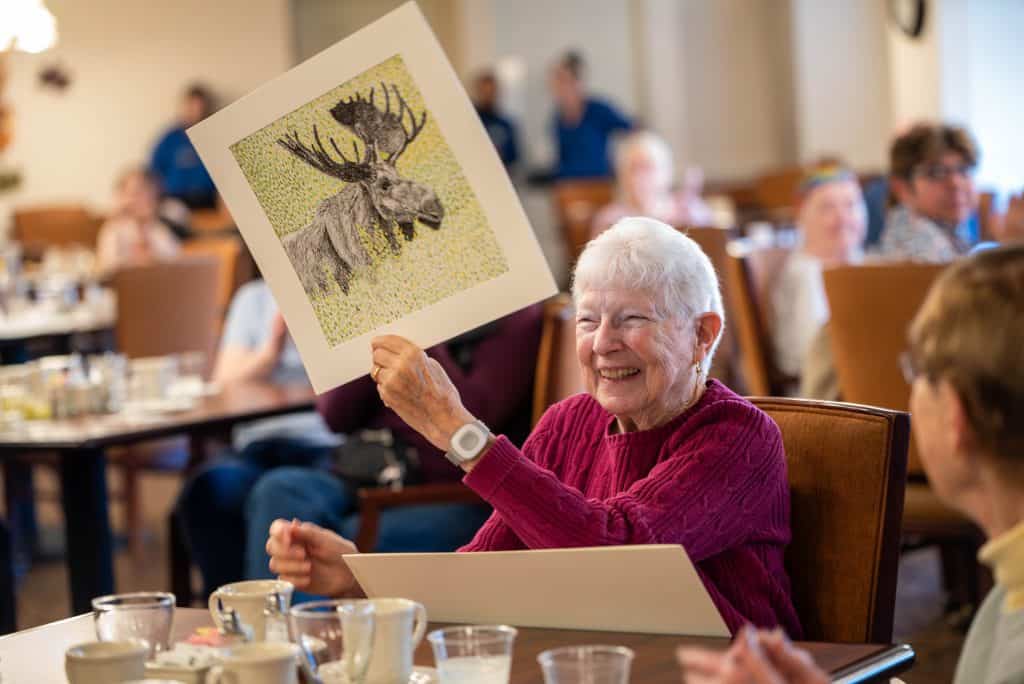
435, 264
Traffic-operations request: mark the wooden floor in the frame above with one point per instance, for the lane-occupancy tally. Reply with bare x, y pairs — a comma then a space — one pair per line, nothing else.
43, 593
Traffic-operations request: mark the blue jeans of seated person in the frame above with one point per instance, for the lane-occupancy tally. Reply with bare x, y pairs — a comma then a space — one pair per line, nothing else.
211, 506
316, 496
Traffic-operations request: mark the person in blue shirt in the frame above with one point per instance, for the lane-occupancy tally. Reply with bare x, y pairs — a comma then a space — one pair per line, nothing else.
175, 161
582, 125
500, 129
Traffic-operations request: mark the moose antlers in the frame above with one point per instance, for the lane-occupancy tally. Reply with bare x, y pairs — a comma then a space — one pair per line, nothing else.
319, 159
382, 132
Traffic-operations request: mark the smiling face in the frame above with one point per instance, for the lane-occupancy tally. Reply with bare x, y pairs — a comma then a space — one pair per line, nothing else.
942, 190
834, 221
637, 361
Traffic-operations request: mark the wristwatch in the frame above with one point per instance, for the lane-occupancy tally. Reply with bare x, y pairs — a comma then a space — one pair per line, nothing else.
468, 443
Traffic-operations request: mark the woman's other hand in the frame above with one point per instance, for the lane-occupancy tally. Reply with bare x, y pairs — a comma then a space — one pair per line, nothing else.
310, 557
754, 658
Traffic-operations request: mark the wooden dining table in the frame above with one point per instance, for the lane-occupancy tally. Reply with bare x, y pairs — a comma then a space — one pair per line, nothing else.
80, 445
37, 655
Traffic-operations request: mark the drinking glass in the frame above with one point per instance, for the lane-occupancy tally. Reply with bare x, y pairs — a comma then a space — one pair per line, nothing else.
337, 635
358, 626
473, 654
586, 665
142, 615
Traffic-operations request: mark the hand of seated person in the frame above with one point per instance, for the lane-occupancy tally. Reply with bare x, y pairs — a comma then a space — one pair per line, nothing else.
755, 657
310, 557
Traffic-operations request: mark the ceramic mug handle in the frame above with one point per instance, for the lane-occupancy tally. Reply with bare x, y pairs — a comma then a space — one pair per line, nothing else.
420, 625
216, 607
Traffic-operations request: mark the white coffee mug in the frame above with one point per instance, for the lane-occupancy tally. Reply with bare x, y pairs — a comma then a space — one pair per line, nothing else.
251, 600
260, 663
102, 662
399, 628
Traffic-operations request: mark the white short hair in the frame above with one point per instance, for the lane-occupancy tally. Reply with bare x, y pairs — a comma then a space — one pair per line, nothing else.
644, 254
651, 143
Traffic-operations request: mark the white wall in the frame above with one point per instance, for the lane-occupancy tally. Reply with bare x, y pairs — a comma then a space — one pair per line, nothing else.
130, 62
738, 86
995, 95
841, 71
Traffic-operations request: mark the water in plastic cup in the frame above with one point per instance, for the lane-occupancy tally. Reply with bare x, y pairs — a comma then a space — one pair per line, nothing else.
586, 665
481, 655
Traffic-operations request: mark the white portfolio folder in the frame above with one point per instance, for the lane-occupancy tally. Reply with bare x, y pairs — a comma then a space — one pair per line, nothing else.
651, 589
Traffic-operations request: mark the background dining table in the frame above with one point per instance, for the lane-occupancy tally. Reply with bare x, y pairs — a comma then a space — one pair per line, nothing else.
80, 445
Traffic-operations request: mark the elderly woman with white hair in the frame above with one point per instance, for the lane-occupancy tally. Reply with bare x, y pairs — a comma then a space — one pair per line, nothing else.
645, 174
653, 453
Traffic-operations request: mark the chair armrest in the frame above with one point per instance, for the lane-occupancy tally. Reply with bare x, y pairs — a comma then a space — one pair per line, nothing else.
373, 500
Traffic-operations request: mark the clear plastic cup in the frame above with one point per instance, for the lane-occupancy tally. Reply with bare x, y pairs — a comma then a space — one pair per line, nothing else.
473, 654
586, 665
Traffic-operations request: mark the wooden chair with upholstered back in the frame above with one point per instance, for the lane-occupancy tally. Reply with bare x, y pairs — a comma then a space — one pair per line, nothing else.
557, 375
38, 228
576, 204
872, 307
228, 251
167, 307
714, 242
750, 274
847, 468
163, 308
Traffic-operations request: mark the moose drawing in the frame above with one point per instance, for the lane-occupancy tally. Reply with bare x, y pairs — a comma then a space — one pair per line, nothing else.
376, 197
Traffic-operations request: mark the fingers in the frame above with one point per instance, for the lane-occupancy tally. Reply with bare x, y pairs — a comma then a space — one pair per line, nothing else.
794, 664
393, 343
700, 665
283, 566
751, 660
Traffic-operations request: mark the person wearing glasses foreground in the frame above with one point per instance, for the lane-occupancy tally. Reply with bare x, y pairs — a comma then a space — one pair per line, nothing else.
966, 368
932, 183
653, 453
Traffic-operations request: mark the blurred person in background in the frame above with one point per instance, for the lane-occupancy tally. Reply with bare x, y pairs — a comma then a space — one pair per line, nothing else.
499, 127
175, 161
134, 234
255, 346
645, 174
931, 180
831, 223
582, 125
966, 370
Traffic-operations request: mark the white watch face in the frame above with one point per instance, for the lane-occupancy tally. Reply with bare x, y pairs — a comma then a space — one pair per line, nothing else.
468, 441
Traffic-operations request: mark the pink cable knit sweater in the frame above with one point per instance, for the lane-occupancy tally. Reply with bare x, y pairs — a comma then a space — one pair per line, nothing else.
713, 479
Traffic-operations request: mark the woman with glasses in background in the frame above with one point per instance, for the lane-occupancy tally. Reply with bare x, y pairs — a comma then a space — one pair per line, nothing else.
932, 187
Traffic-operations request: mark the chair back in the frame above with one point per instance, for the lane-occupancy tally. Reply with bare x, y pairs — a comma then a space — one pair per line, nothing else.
714, 242
558, 374
778, 189
872, 306
750, 275
227, 249
576, 203
38, 228
847, 473
167, 307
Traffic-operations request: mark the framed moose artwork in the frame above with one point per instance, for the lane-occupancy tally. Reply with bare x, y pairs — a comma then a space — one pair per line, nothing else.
372, 199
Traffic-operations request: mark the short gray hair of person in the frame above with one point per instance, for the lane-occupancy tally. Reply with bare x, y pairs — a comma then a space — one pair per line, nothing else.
655, 147
641, 253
